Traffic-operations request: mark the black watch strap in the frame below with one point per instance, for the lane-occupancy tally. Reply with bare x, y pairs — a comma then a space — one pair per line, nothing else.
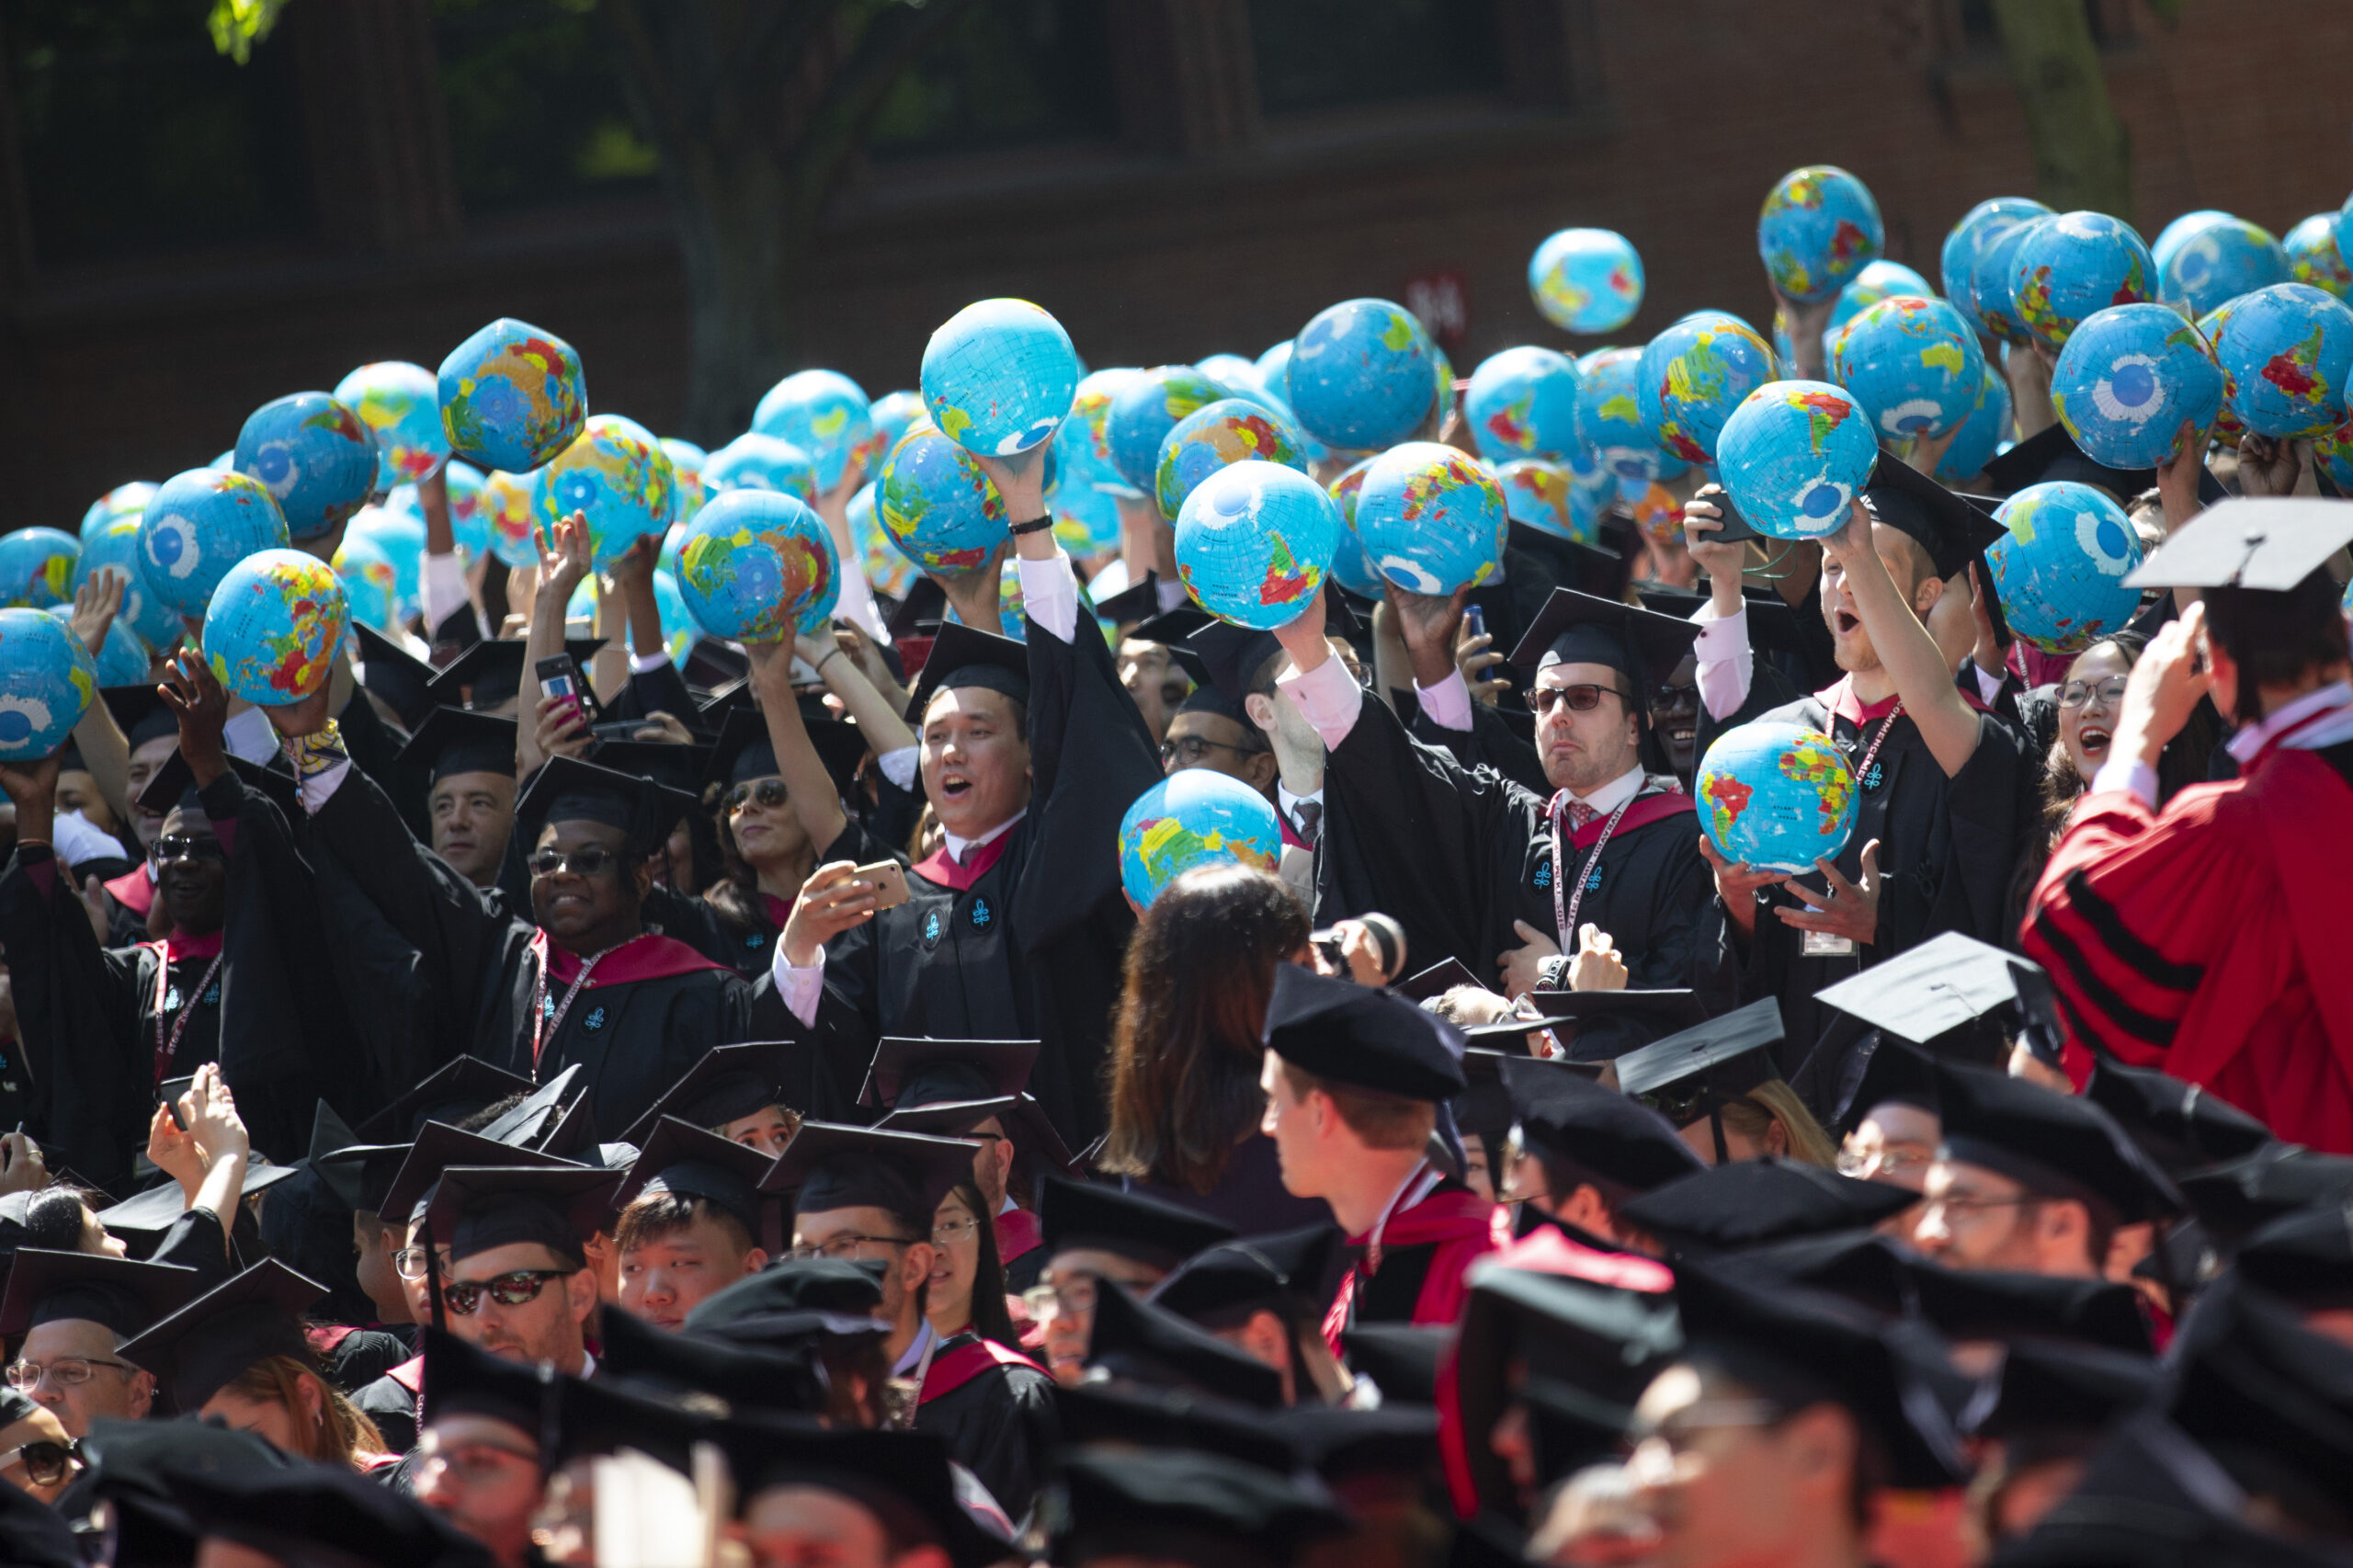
1035, 525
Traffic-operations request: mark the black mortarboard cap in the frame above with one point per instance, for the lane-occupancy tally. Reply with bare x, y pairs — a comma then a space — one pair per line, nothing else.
1861, 1266
964, 658
1724, 1207
728, 1083
2047, 1385
1281, 1272
1508, 1036
174, 785
1185, 1504
1609, 1024
1233, 656
1022, 1119
525, 1123
1135, 603
210, 1342
828, 1165
604, 1417
2271, 543
711, 664
792, 1287
1579, 629
1367, 1039
916, 1072
2305, 1257
1984, 1303
438, 1146
909, 1468
925, 604
491, 672
2051, 455
1686, 1075
1137, 1342
1172, 628
1578, 1127
2056, 1146
682, 1158
2247, 1378
1943, 522
158, 1207
567, 790
318, 1513
476, 1208
2180, 1125
47, 1287
1772, 622
452, 1092
1941, 987
742, 749
692, 1364
1436, 980
361, 1174
1095, 1217
463, 1380
1339, 1442
394, 673
1401, 1359
2238, 1196
673, 766
140, 713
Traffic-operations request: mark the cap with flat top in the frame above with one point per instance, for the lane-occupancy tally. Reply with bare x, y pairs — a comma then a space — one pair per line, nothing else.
1772, 622
526, 1122
2270, 544
1768, 1199
729, 1082
828, 1166
763, 1378
666, 763
394, 673
1609, 1024
453, 740
1578, 1128
1222, 1286
141, 714
1233, 656
1132, 604
1892, 1073
2054, 1145
1139, 1342
322, 1514
2051, 455
1401, 1359
1700, 1071
1093, 1217
2305, 1257
1985, 1304
491, 673
1436, 980
1181, 1506
438, 1146
886, 1472
450, 1093
2180, 1125
912, 1072
212, 1341
1953, 994
477, 1208
568, 789
463, 1380
174, 786
50, 1287
961, 657
1365, 1039
156, 1209
2263, 1393
1944, 522
2047, 1386
1021, 1118
1579, 629
683, 1159
825, 1286
2242, 1194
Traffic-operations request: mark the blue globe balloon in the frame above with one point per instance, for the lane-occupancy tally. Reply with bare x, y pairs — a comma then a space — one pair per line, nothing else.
757, 565
1610, 418
998, 375
1982, 434
1913, 364
686, 465
1228, 370
1546, 498
1254, 540
370, 582
122, 659
1776, 795
401, 405
2059, 569
123, 501
888, 572
1142, 413
1693, 375
679, 633
37, 567
2129, 378
1992, 289
400, 536
47, 683
2218, 261
271, 631
1231, 430
1957, 264
2285, 352
1432, 517
1794, 456
1196, 816
2313, 256
512, 396
1818, 228
200, 524
892, 413
1881, 279
938, 504
2169, 238
1586, 281
1522, 403
115, 546
316, 457
2073, 264
824, 414
1363, 375
510, 502
469, 523
616, 475
1352, 568
753, 461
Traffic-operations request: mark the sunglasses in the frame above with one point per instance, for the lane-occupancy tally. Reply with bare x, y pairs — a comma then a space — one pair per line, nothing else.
768, 792
188, 847
1580, 698
588, 860
509, 1290
45, 1463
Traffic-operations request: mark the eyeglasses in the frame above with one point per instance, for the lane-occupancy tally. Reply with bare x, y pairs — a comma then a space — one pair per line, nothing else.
187, 847
947, 1232
1864, 1164
845, 1246
770, 793
472, 1463
1680, 1429
66, 1371
1192, 749
409, 1263
1675, 697
45, 1463
1580, 698
512, 1289
2075, 694
1045, 1301
588, 860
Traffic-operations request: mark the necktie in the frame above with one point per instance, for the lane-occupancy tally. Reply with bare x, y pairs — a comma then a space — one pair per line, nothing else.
964, 856
1307, 817
1580, 814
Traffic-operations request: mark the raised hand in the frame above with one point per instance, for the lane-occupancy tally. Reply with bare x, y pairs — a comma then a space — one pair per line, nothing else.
1429, 625
96, 603
1598, 965
196, 698
833, 900
1850, 909
1737, 885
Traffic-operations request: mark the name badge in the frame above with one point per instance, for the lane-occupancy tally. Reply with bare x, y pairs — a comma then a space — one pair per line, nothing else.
1825, 945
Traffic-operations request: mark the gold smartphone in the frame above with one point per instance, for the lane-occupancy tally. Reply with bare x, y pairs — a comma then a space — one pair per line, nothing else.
890, 879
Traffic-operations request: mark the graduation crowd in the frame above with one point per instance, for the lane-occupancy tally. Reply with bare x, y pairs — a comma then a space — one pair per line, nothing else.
729, 1111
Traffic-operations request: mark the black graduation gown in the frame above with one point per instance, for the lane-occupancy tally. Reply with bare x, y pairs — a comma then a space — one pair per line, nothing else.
1455, 855
997, 1421
390, 1401
1946, 850
1032, 947
355, 1358
1502, 741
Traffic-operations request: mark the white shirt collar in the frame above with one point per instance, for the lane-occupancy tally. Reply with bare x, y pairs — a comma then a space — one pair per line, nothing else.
1615, 793
2252, 739
956, 846
1291, 802
587, 1363
913, 1358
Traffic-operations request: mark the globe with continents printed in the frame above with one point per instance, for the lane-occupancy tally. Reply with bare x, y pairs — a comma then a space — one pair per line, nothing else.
887, 571
2060, 568
509, 502
1142, 411
2128, 381
2313, 256
1545, 497
1253, 543
1352, 566
825, 414
1913, 364
125, 501
1818, 228
122, 659
2220, 260
1795, 455
892, 413
1363, 375
313, 455
1432, 518
615, 475
1693, 375
998, 375
512, 396
1776, 795
37, 567
271, 631
2286, 351
1587, 279
939, 506
1228, 431
1196, 816
756, 565
753, 461
1979, 227
2069, 265
115, 547
47, 683
401, 404
200, 524
467, 527
686, 464
1522, 404
1610, 417
1983, 433
370, 582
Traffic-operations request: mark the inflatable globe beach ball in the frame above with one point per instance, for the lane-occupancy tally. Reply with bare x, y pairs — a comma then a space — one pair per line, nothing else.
998, 375
1227, 431
1522, 403
1818, 228
825, 414
753, 461
679, 633
1586, 281
401, 404
1352, 568
1196, 816
1690, 377
316, 457
1363, 375
616, 475
1610, 418
2127, 379
1228, 370
1957, 263
1086, 520
401, 539
2219, 261
2313, 256
370, 582
2060, 568
887, 571
1776, 795
510, 505
1913, 364
1432, 518
1982, 434
757, 566
685, 466
272, 628
2174, 235
122, 659
1142, 411
1083, 444
938, 504
200, 524
37, 567
1253, 539
2286, 351
1545, 496
1883, 279
123, 501
468, 526
1993, 289
47, 683
512, 396
2070, 266
892, 413
116, 548
1794, 456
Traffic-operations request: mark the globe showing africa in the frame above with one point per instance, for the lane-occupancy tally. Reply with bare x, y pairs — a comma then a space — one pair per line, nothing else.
1795, 455
115, 547
1196, 816
1693, 375
47, 683
1610, 417
1776, 795
401, 404
2128, 379
271, 631
1228, 431
1587, 279
756, 565
1254, 540
1544, 496
1432, 517
1522, 404
887, 571
998, 375
2060, 568
512, 396
123, 501
200, 524
37, 567
2072, 264
2287, 351
316, 457
616, 475
1818, 227
939, 506
1913, 364
824, 414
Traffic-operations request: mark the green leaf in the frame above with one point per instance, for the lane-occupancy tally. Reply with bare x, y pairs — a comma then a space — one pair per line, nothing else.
237, 25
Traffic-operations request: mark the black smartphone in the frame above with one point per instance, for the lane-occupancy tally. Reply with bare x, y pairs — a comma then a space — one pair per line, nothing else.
560, 676
1736, 528
171, 1089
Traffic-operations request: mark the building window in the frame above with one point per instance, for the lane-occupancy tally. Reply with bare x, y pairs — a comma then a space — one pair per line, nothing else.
536, 113
1320, 54
139, 140
1007, 72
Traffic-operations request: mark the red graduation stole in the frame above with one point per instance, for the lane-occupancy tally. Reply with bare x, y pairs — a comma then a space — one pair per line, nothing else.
1018, 1234
941, 867
1465, 1228
135, 890
643, 957
967, 1359
1645, 809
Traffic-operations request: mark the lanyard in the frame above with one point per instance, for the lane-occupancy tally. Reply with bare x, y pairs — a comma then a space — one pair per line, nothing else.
1566, 917
1863, 768
543, 1027
166, 1049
